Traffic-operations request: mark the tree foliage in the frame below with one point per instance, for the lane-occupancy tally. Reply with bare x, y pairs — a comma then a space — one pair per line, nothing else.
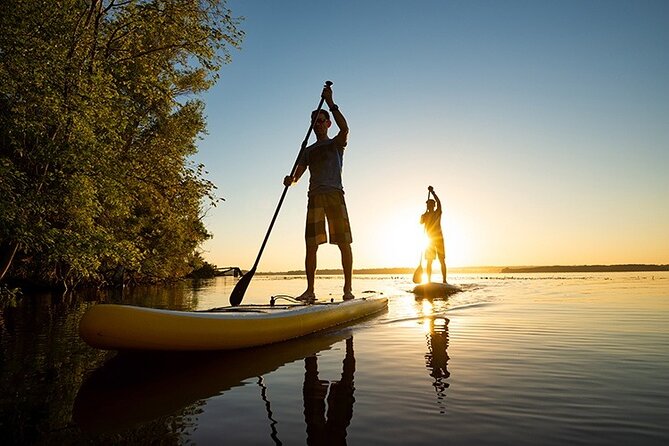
99, 117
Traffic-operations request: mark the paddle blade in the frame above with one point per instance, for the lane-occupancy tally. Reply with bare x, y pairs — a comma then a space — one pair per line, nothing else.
418, 274
238, 291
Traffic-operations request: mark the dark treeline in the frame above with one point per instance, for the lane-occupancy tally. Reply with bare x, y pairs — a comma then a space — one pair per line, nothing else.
98, 119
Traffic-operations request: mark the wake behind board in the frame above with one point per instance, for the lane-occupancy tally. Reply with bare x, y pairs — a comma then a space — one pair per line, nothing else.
435, 289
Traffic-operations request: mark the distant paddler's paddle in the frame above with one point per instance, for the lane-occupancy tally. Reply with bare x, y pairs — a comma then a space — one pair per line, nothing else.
238, 292
418, 274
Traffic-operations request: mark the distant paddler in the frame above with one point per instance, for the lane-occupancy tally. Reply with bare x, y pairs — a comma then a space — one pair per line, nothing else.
431, 219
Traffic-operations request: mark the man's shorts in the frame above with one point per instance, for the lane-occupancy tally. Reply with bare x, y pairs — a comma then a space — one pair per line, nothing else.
330, 205
435, 249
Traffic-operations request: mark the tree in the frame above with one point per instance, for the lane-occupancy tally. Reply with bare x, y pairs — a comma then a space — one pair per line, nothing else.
98, 119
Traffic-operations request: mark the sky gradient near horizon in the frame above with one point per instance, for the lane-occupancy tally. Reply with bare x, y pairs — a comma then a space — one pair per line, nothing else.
543, 127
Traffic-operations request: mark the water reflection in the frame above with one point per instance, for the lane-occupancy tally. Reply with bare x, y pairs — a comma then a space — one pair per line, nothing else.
131, 389
436, 358
179, 296
436, 337
274, 435
328, 426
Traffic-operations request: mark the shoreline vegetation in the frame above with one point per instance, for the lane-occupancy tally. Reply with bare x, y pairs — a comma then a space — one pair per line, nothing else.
101, 108
496, 269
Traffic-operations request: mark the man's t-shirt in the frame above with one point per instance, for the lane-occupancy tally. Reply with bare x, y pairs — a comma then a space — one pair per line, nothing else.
432, 222
325, 160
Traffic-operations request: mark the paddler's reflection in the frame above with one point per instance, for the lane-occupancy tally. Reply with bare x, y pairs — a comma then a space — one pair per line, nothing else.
436, 358
330, 427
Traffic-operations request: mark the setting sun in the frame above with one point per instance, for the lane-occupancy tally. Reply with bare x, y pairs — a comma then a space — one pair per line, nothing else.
401, 239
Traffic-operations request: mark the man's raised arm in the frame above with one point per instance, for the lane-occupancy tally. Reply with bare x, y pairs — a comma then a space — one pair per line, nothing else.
342, 136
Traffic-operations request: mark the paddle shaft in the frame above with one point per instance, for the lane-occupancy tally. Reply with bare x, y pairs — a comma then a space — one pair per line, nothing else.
292, 172
425, 229
417, 275
238, 291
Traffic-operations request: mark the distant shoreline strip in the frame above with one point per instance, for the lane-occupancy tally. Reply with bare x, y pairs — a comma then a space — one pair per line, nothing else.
497, 269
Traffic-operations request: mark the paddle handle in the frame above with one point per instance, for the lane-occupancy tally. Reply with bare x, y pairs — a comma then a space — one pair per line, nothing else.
292, 172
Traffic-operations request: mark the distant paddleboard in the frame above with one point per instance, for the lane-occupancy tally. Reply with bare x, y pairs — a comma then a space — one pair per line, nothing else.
435, 289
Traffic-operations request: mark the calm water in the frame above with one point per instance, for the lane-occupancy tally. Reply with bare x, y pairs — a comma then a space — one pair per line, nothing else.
514, 359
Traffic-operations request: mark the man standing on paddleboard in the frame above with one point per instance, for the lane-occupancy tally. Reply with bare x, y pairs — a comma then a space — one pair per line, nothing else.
325, 159
432, 221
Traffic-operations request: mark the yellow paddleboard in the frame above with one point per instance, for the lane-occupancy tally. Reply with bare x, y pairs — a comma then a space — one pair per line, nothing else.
124, 327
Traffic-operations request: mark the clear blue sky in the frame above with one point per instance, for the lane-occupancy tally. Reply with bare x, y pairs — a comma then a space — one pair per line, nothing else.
543, 127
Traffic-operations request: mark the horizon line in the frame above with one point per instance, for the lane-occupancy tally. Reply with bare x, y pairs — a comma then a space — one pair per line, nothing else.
618, 267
